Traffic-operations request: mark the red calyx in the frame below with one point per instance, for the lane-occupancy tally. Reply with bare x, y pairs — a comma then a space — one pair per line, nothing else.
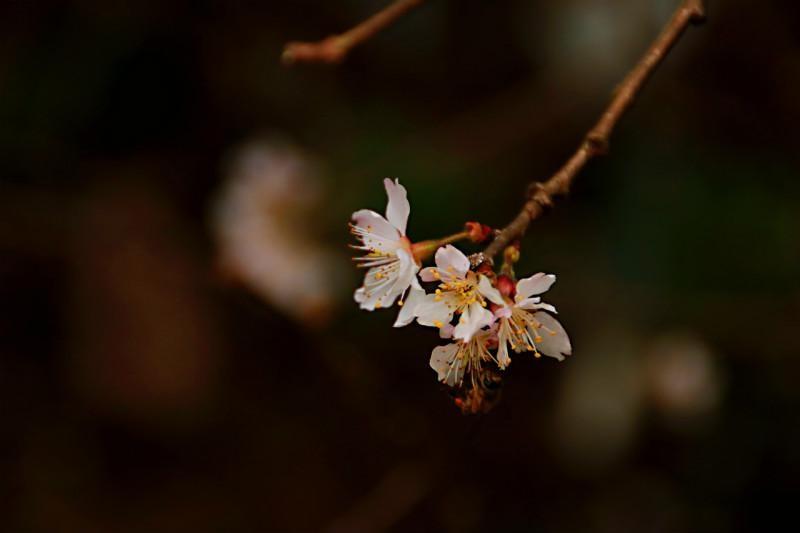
506, 286
485, 269
477, 232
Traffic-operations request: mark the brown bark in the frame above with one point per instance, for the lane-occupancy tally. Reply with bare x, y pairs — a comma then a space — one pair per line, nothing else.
596, 141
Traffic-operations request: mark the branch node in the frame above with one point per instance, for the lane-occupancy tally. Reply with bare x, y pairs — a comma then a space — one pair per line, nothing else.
697, 11
538, 193
597, 144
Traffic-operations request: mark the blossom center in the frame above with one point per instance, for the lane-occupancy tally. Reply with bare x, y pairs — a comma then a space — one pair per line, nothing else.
469, 358
460, 292
523, 331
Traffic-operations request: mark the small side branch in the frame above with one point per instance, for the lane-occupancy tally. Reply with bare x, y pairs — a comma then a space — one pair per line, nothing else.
335, 48
596, 141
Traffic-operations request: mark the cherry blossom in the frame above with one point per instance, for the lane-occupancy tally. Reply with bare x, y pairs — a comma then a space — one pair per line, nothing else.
453, 361
392, 267
460, 292
526, 325
480, 312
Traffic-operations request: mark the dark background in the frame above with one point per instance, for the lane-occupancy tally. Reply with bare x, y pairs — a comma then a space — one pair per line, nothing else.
145, 386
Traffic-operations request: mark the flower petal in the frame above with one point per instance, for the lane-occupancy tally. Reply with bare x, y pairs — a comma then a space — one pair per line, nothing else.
555, 341
375, 294
382, 285
407, 274
442, 361
536, 284
407, 313
360, 295
489, 292
473, 318
451, 261
429, 274
433, 312
375, 231
398, 208
536, 303
502, 312
446, 331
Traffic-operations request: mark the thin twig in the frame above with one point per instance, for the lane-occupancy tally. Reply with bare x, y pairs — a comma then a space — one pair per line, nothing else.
596, 142
335, 48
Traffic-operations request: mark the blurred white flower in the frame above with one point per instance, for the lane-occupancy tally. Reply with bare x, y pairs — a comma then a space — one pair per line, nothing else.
461, 291
389, 257
605, 399
526, 326
265, 241
681, 377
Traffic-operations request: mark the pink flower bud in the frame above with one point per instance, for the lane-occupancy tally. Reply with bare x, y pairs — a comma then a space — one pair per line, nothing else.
477, 232
506, 286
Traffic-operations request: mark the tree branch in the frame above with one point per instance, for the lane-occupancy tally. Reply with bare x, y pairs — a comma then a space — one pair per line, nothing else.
596, 141
335, 48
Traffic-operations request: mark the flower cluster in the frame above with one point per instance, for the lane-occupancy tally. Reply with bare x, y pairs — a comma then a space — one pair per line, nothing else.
485, 316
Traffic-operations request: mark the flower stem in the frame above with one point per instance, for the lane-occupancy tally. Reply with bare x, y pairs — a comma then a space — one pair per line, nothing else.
454, 238
425, 249
336, 47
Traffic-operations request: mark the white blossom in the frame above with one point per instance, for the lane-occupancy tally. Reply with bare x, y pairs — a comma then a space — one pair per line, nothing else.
525, 324
452, 361
460, 292
392, 268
